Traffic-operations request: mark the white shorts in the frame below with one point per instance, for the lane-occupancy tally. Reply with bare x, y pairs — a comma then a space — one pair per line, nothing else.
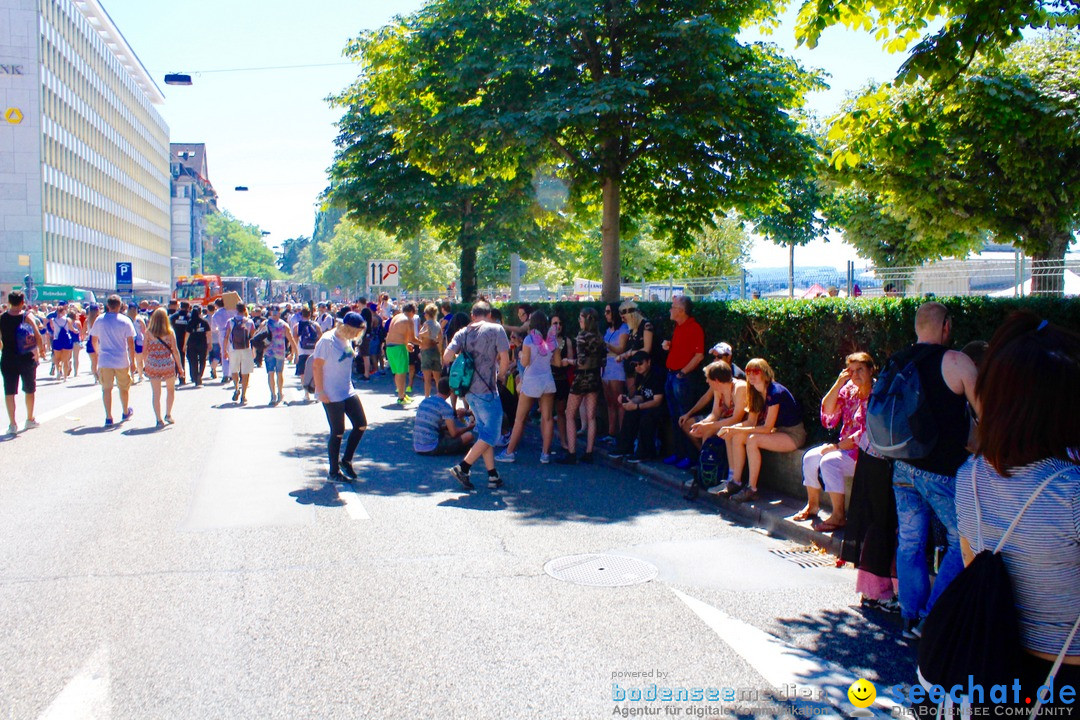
241, 361
535, 386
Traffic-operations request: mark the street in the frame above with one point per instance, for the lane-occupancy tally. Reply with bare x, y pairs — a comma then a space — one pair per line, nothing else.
206, 570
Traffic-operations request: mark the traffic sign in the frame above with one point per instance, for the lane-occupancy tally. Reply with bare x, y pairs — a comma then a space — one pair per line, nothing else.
383, 273
124, 277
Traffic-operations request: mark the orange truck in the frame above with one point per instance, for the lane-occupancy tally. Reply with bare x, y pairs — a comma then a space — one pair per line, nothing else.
198, 289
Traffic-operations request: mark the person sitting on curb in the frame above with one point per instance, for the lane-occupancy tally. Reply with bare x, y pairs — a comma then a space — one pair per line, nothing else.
729, 408
643, 413
435, 428
774, 424
844, 405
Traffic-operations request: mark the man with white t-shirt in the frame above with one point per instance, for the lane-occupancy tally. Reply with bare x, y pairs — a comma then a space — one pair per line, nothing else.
218, 322
332, 376
114, 343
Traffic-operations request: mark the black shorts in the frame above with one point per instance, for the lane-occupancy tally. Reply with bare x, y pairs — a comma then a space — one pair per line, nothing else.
21, 366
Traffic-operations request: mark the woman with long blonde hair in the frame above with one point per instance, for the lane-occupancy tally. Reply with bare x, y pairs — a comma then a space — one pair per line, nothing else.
640, 337
774, 424
161, 359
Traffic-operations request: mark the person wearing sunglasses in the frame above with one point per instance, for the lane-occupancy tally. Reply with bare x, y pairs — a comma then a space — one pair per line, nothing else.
561, 372
774, 424
639, 337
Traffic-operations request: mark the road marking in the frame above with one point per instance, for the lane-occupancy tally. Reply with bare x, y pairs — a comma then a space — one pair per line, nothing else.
73, 405
348, 495
86, 696
782, 664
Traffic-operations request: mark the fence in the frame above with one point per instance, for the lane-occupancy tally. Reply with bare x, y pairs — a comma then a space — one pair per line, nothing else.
1015, 276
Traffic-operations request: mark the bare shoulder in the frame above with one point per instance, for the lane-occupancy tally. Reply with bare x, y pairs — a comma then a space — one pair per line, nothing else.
958, 370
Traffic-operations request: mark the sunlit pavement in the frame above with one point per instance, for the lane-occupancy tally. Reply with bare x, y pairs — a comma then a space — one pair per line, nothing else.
206, 570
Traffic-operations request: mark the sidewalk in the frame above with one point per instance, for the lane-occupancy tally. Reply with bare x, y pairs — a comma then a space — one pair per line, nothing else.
772, 511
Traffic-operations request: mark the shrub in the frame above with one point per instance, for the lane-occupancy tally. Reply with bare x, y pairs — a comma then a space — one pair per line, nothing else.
805, 341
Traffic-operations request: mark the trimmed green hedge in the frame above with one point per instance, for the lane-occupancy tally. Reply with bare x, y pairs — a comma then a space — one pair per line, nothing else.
805, 341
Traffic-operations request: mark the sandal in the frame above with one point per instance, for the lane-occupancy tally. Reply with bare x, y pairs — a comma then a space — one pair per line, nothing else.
805, 515
828, 526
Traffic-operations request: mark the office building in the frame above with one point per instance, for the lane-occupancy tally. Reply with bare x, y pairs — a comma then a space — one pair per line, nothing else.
193, 198
84, 153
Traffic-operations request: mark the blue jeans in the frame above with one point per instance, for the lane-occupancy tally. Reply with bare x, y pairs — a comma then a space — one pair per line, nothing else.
681, 394
918, 493
488, 411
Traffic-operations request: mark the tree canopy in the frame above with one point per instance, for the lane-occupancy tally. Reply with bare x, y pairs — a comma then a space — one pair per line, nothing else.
948, 35
652, 109
997, 152
233, 247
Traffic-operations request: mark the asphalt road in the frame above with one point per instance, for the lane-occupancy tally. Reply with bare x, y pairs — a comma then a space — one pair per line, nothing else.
207, 571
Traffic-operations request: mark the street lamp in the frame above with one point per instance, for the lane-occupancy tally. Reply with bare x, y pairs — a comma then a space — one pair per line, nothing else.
240, 188
177, 79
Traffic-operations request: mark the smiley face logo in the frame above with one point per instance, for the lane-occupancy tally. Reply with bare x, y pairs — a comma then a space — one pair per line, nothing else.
862, 693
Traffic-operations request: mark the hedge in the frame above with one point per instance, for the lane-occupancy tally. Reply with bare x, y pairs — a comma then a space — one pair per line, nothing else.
805, 341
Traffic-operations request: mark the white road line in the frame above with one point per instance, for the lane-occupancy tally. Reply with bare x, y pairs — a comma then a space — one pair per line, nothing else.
73, 405
86, 696
351, 498
782, 664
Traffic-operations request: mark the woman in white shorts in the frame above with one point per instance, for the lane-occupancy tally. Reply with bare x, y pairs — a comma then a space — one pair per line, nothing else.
538, 351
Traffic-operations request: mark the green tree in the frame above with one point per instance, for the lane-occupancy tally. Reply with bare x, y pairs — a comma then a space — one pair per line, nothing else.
654, 108
347, 252
236, 248
291, 251
949, 35
996, 152
444, 185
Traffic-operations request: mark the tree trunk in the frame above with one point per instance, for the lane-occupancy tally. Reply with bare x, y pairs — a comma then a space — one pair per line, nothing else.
468, 273
611, 275
1048, 267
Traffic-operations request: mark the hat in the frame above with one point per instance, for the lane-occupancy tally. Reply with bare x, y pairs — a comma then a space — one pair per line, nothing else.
93, 306
353, 319
62, 303
638, 357
721, 349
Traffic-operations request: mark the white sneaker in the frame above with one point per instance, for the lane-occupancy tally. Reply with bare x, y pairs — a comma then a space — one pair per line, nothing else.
545, 458
31, 424
506, 457
13, 430
503, 440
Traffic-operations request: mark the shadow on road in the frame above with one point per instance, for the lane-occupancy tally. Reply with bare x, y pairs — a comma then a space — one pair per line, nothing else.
85, 430
864, 641
325, 495
537, 494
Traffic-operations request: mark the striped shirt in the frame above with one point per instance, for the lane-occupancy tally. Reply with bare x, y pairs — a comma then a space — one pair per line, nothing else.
1043, 553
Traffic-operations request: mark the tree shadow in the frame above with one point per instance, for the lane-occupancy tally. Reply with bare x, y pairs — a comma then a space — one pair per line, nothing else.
867, 642
535, 493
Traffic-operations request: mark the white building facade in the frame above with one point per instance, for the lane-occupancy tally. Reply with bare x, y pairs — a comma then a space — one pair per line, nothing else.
84, 153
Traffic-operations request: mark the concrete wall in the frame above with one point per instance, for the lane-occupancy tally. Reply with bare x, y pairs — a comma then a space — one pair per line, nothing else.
21, 231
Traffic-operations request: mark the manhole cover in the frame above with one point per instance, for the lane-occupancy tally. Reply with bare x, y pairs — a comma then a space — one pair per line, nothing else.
806, 558
600, 570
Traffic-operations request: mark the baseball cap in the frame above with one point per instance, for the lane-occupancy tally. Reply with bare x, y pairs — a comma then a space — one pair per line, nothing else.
93, 306
353, 319
721, 349
639, 356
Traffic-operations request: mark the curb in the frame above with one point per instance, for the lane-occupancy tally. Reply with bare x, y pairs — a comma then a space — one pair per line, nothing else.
770, 512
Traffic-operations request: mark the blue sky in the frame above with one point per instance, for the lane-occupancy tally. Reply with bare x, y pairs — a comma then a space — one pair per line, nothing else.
272, 131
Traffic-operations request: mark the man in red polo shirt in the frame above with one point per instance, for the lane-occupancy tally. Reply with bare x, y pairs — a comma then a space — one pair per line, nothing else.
686, 350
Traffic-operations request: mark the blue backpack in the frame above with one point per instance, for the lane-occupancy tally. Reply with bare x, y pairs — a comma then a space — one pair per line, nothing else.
25, 337
900, 423
463, 370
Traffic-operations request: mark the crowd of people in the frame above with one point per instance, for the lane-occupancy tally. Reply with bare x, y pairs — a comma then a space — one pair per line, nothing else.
1004, 431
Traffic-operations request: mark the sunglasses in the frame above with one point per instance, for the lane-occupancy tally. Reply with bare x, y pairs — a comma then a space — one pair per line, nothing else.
627, 312
754, 371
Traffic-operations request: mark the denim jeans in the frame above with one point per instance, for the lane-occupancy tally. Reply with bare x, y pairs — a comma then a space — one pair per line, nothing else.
681, 394
918, 493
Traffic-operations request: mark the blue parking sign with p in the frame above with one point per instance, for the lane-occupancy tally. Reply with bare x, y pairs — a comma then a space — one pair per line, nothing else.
123, 277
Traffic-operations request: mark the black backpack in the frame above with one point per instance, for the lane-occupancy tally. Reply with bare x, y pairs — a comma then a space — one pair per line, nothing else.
263, 337
900, 422
972, 628
238, 334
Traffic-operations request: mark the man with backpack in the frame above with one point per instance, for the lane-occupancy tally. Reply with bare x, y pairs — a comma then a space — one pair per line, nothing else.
929, 445
307, 336
479, 359
20, 345
237, 349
